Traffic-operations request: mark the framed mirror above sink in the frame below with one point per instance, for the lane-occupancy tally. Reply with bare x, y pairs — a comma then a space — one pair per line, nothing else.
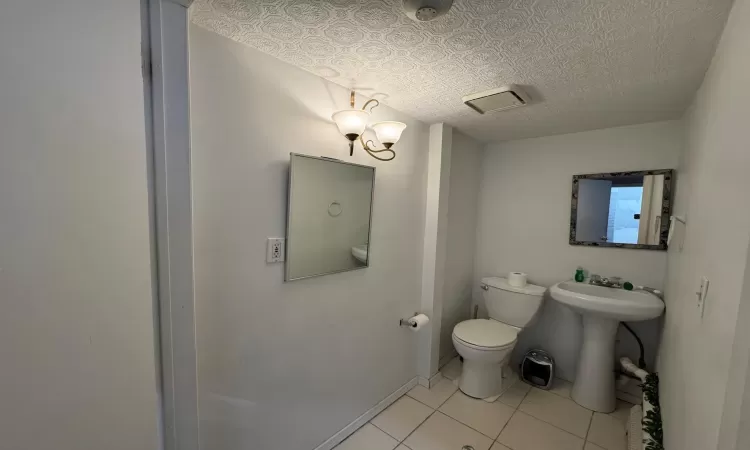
622, 209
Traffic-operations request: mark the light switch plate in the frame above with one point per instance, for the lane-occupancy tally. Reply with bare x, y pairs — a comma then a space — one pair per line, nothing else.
275, 250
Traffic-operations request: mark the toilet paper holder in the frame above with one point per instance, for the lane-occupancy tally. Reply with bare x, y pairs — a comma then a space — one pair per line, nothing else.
406, 323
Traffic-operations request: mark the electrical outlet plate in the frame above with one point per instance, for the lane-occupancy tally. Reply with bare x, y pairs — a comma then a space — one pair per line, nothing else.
275, 250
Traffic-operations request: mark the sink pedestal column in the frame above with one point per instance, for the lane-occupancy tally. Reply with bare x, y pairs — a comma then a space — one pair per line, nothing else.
594, 387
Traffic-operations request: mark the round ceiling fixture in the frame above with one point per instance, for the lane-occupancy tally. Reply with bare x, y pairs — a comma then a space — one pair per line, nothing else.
426, 10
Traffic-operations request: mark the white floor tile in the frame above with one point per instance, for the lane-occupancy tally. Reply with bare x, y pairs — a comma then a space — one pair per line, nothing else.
440, 432
487, 418
452, 370
590, 446
435, 396
368, 438
499, 446
524, 432
515, 395
561, 387
607, 432
559, 411
402, 417
622, 411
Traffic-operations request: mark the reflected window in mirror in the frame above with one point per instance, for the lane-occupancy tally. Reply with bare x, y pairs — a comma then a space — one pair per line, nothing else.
329, 216
622, 209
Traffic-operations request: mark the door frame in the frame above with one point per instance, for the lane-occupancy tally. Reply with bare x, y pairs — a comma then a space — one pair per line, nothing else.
166, 87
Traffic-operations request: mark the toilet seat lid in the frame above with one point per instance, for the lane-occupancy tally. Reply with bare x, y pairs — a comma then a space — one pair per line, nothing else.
486, 333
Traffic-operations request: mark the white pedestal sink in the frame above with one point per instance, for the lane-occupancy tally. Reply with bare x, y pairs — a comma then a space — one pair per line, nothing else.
603, 309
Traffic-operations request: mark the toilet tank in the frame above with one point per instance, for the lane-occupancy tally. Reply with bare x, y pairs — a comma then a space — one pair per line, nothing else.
516, 306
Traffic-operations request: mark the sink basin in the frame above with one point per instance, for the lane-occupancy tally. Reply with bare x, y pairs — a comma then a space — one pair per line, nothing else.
602, 309
360, 252
612, 303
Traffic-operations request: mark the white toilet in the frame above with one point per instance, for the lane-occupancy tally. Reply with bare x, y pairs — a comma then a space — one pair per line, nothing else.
485, 345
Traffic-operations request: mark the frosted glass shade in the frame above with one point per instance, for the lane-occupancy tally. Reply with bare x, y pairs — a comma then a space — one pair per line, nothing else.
351, 122
388, 133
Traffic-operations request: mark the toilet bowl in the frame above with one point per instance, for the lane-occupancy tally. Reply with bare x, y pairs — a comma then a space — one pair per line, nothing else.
486, 344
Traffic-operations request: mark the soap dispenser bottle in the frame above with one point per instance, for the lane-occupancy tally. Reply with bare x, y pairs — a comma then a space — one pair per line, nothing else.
579, 275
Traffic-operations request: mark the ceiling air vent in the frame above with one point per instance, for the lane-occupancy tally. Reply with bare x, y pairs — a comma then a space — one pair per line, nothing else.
506, 97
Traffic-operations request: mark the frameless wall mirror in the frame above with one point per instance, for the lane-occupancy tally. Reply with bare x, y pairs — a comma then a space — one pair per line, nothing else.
329, 217
622, 209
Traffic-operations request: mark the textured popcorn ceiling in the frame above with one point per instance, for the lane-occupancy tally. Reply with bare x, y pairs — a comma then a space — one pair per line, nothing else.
588, 64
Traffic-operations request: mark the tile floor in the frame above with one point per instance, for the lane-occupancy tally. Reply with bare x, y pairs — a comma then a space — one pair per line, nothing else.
523, 418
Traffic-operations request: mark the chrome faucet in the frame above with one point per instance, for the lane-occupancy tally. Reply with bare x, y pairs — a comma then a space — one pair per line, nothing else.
612, 282
616, 282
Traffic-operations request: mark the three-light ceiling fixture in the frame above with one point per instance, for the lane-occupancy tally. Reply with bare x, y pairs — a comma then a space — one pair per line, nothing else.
352, 123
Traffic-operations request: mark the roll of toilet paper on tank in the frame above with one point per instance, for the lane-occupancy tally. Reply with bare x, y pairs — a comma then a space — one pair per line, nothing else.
517, 279
418, 321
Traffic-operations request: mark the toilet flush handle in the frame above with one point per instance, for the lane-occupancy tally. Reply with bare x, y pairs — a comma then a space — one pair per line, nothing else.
485, 287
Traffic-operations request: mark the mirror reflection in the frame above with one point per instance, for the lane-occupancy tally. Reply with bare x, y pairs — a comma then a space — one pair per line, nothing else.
330, 203
625, 209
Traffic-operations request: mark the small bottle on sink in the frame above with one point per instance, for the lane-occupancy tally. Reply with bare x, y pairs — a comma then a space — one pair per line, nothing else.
579, 277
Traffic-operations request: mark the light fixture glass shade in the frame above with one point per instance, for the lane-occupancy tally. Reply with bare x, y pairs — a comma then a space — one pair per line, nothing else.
351, 122
388, 133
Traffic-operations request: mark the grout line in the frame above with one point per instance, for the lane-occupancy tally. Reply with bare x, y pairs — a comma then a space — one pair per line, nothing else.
450, 397
471, 427
516, 409
441, 404
421, 403
416, 428
591, 419
504, 426
526, 394
551, 424
400, 441
394, 437
588, 430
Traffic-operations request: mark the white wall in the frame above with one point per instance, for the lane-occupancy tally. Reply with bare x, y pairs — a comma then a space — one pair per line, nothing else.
702, 365
76, 308
287, 365
736, 416
463, 200
524, 223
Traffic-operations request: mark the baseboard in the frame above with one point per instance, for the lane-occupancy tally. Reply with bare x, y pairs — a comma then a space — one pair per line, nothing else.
435, 379
348, 430
447, 358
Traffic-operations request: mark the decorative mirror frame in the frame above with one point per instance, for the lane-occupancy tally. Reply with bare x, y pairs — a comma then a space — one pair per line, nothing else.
666, 208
